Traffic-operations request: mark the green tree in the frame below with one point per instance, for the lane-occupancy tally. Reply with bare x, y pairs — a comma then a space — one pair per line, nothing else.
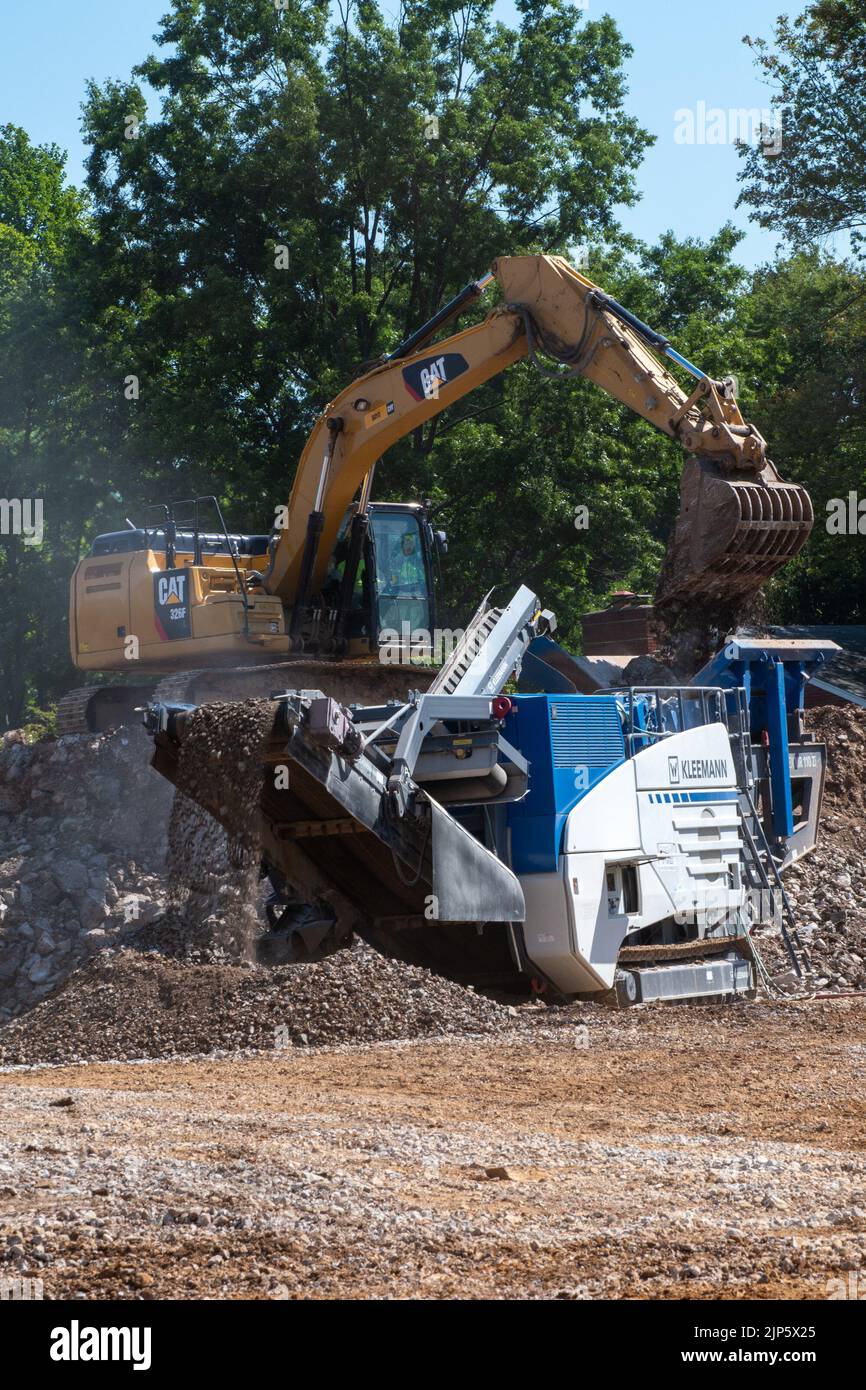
816, 185
807, 313
304, 193
45, 465
808, 316
309, 190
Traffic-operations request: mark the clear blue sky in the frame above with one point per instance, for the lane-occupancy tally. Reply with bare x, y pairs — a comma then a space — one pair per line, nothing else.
684, 53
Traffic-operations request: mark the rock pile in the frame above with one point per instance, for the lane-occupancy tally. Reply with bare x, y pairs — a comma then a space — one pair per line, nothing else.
96, 851
213, 873
125, 1005
827, 889
106, 957
82, 855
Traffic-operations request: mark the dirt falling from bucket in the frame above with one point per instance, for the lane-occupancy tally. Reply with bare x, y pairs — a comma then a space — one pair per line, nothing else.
214, 859
691, 631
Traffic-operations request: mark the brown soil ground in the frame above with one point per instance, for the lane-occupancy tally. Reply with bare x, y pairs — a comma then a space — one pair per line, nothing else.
700, 1152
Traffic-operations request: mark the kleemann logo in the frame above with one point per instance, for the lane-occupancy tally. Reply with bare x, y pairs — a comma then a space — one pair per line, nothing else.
696, 769
77, 1343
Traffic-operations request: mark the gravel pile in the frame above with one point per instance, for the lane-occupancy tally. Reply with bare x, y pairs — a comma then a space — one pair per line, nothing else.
827, 889
174, 977
128, 1005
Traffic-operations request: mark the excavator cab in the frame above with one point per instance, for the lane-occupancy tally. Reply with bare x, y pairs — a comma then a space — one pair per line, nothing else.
403, 568
187, 600
147, 580
391, 591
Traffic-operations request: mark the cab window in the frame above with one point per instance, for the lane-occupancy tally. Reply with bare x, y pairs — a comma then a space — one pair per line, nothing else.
401, 574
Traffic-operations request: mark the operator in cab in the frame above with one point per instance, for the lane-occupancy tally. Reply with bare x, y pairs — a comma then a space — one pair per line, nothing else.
408, 576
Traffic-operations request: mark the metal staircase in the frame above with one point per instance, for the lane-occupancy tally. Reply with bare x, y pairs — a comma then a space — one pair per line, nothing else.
760, 868
762, 876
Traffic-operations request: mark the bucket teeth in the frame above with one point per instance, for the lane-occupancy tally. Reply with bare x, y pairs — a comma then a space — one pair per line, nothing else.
731, 536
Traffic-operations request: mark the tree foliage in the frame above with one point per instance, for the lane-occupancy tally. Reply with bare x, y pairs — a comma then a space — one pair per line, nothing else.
816, 185
44, 404
389, 159
807, 317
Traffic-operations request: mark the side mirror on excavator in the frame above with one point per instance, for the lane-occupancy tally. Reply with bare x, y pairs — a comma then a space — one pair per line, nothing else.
437, 541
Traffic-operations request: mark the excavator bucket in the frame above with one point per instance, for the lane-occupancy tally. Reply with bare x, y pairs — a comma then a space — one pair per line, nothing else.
731, 535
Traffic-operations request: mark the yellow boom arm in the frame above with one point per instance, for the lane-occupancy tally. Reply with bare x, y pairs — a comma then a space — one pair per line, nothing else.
738, 521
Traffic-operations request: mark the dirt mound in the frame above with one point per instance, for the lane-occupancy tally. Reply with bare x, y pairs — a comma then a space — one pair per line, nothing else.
154, 959
126, 1005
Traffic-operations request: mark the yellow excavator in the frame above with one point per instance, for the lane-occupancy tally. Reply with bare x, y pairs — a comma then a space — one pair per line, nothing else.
311, 605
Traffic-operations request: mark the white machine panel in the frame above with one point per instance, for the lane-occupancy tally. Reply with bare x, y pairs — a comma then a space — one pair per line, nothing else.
653, 838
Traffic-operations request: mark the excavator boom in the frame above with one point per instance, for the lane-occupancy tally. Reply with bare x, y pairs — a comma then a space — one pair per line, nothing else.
335, 582
738, 520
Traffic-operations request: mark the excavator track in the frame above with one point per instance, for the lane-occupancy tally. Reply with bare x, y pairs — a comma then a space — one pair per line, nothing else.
682, 950
72, 712
94, 709
484, 958
97, 708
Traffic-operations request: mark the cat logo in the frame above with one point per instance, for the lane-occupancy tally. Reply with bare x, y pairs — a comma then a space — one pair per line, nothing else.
171, 605
172, 589
432, 378
424, 379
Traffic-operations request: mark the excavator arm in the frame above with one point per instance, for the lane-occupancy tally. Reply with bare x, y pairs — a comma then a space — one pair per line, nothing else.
738, 520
